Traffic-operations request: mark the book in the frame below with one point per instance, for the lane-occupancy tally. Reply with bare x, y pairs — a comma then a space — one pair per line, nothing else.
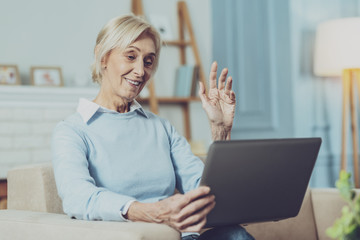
195, 82
184, 80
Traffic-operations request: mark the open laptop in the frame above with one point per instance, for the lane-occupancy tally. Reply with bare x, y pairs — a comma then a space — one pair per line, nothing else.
258, 180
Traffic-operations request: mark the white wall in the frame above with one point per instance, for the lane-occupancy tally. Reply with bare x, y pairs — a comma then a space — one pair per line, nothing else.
63, 33
25, 135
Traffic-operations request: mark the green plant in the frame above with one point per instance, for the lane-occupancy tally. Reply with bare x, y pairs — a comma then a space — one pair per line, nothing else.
347, 227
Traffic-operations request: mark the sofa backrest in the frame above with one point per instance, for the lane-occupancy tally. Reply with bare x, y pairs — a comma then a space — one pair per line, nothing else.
33, 188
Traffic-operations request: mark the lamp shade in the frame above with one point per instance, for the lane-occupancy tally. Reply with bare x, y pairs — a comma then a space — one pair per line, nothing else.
337, 46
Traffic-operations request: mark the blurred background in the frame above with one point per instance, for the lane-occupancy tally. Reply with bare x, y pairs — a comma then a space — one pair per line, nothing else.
268, 46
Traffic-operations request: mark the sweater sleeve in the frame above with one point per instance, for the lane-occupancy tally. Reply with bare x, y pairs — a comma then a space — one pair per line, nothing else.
188, 167
81, 197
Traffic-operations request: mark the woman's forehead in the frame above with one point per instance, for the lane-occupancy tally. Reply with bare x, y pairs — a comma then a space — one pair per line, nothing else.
143, 44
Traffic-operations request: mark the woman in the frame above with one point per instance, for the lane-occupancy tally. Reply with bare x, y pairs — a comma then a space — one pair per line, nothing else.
115, 161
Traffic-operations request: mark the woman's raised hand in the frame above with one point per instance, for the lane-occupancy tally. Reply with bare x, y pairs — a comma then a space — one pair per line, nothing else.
219, 104
184, 212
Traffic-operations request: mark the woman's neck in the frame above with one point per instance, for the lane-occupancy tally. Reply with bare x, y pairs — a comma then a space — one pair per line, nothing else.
112, 102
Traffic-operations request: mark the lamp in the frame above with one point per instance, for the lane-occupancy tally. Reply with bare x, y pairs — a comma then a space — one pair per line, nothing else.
337, 53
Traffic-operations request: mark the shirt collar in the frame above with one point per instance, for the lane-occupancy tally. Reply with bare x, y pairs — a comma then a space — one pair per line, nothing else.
87, 109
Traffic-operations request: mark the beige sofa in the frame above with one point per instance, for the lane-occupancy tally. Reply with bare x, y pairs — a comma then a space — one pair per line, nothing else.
35, 212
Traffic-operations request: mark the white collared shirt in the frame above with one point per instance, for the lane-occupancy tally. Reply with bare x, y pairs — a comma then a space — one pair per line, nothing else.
87, 109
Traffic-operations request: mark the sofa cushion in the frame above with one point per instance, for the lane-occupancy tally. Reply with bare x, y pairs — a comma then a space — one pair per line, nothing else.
33, 188
44, 226
298, 228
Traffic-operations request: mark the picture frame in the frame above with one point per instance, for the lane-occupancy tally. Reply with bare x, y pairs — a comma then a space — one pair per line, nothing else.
9, 75
46, 76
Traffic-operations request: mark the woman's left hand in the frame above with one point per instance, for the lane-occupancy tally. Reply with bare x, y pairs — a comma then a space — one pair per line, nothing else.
219, 104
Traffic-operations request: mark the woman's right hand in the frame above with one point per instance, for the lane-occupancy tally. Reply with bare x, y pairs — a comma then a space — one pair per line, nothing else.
184, 212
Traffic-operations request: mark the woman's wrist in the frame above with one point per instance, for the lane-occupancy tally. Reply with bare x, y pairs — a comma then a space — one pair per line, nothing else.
145, 212
220, 132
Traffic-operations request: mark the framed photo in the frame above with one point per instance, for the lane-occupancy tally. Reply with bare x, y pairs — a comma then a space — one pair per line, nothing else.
9, 75
47, 76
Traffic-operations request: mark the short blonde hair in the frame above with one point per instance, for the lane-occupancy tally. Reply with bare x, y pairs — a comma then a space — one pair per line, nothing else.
120, 32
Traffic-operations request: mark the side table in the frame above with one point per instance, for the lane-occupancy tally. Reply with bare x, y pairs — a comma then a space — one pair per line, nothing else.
3, 193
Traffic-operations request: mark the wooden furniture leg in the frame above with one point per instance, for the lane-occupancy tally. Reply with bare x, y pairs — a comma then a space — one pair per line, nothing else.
3, 194
354, 130
346, 80
351, 77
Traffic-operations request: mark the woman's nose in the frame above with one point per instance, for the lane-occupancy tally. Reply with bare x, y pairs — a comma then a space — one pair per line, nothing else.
139, 68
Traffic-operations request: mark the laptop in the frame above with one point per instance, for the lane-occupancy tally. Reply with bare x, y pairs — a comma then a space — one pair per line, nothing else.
258, 180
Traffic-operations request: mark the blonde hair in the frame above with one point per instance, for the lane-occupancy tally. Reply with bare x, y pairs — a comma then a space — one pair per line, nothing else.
120, 32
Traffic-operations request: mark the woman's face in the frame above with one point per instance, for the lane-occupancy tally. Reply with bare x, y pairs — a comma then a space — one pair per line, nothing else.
128, 70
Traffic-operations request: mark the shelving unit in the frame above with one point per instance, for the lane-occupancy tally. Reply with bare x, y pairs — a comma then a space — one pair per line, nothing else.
185, 105
184, 23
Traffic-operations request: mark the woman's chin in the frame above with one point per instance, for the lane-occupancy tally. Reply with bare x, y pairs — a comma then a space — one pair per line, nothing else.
131, 97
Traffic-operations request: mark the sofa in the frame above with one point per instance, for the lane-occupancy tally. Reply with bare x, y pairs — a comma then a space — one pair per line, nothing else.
35, 212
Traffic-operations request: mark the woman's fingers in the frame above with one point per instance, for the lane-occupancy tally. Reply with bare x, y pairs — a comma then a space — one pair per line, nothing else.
197, 221
202, 93
222, 78
232, 96
212, 76
196, 207
196, 227
174, 204
197, 193
228, 86
183, 210
194, 212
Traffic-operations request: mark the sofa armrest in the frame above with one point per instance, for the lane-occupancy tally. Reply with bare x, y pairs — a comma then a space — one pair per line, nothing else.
15, 224
33, 188
327, 205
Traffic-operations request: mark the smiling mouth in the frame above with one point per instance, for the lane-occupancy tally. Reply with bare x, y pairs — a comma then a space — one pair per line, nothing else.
136, 83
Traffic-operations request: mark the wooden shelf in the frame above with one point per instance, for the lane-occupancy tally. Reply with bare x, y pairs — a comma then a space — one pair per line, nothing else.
183, 102
181, 43
171, 100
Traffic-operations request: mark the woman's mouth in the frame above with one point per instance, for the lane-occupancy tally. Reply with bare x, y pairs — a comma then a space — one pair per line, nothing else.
136, 83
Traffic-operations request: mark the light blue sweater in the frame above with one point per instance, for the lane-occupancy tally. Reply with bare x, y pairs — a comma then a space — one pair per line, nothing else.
103, 160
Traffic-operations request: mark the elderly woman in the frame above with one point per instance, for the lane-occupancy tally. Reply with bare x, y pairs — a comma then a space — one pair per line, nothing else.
114, 161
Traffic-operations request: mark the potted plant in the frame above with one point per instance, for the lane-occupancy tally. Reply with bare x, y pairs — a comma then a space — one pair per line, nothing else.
347, 227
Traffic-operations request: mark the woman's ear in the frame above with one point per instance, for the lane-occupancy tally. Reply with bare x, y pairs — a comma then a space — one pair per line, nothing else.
104, 59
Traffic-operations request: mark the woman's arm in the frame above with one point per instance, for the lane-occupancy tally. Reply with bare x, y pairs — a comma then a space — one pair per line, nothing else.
219, 104
81, 198
184, 212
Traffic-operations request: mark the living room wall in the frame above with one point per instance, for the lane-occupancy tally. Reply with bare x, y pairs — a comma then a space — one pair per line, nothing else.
270, 44
63, 33
318, 100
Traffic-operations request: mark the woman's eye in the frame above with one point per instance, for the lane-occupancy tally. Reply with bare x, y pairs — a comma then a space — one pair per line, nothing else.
131, 57
148, 63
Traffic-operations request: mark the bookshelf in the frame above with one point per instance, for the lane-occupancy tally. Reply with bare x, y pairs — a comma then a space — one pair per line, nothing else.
184, 23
